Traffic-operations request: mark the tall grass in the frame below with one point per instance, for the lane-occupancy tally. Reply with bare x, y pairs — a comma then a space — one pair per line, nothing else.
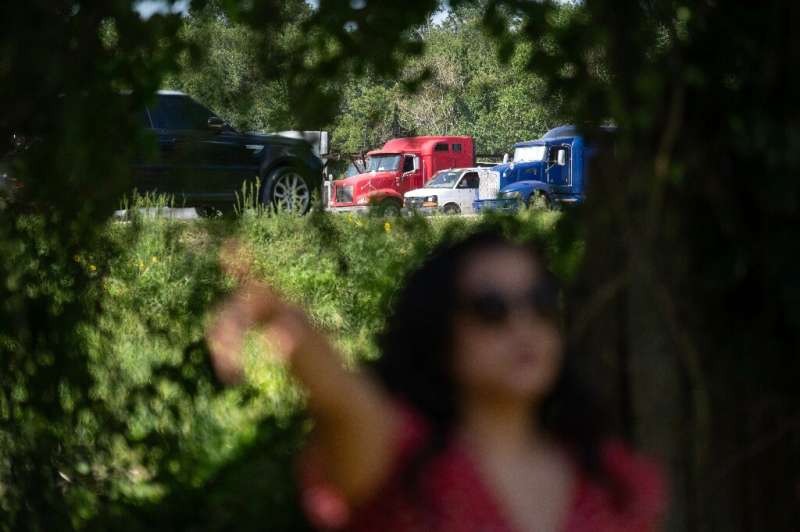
248, 200
149, 203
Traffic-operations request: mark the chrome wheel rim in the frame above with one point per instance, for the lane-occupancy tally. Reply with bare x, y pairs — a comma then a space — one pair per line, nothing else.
290, 193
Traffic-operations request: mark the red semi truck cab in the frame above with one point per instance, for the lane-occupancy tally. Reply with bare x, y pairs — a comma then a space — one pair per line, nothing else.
401, 165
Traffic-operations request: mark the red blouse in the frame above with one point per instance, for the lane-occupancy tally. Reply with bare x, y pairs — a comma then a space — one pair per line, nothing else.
452, 497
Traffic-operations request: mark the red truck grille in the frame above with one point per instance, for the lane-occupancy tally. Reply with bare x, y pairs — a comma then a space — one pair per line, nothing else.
344, 194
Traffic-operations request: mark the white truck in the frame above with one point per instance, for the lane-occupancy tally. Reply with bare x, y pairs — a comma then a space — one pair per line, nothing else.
453, 191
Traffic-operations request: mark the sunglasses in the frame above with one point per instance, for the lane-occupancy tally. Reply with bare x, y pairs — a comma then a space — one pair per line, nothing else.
494, 308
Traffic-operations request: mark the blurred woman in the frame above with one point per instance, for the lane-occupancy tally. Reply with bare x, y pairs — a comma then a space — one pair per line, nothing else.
472, 419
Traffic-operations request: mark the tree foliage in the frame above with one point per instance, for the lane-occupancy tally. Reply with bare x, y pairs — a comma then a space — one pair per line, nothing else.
74, 75
224, 71
468, 91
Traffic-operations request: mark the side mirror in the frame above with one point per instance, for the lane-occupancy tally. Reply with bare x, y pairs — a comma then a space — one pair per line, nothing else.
215, 122
562, 157
505, 158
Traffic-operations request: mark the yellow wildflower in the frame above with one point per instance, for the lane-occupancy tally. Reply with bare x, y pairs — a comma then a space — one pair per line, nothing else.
387, 227
76, 258
154, 258
92, 268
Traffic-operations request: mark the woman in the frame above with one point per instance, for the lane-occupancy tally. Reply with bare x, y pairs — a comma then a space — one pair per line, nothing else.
471, 420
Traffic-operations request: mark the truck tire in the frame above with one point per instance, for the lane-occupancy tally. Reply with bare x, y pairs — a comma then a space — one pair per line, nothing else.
451, 208
389, 207
539, 200
288, 189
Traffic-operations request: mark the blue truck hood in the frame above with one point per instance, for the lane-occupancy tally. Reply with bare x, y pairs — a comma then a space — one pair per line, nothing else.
526, 187
521, 186
511, 172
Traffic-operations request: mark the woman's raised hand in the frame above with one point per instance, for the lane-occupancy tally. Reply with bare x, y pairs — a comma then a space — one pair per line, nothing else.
253, 306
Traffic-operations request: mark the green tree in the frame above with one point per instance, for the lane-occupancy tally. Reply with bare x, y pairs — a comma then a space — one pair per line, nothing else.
367, 117
465, 90
222, 68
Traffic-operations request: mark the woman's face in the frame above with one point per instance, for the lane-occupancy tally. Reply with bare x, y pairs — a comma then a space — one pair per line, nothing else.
502, 347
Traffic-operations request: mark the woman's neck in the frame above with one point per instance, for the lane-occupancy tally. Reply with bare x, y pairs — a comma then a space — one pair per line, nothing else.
500, 426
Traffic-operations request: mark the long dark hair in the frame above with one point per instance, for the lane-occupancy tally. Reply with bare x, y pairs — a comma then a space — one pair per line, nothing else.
416, 349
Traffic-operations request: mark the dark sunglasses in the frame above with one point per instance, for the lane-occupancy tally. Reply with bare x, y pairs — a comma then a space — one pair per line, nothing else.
495, 308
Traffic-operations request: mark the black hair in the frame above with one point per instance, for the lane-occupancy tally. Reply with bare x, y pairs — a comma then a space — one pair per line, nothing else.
416, 349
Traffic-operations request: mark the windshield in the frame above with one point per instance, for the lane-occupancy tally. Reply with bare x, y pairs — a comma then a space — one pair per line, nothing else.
384, 163
443, 180
352, 170
529, 153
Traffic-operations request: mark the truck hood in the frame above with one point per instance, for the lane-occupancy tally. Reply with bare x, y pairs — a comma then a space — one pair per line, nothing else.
375, 177
515, 171
525, 186
425, 192
503, 168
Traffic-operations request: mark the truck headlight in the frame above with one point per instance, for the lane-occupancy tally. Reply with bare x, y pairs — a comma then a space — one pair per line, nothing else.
363, 200
430, 201
512, 194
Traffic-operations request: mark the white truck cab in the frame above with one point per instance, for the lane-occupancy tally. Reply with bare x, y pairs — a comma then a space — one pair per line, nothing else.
449, 191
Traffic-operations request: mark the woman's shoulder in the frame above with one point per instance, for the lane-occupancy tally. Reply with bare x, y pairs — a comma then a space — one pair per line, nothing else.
630, 491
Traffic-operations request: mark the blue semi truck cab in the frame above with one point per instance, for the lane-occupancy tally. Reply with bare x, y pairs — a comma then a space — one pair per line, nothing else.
552, 168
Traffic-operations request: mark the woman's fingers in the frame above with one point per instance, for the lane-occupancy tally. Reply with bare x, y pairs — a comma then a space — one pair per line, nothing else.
243, 309
225, 337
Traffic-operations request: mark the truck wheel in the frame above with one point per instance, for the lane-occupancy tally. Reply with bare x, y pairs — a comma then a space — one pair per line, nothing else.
289, 190
389, 207
539, 200
452, 208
